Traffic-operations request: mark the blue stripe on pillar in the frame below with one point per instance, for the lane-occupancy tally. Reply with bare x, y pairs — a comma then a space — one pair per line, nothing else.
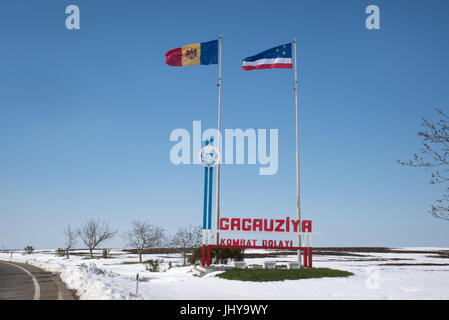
210, 198
206, 171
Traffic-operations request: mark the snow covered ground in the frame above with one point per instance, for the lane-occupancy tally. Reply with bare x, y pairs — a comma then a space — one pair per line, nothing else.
406, 273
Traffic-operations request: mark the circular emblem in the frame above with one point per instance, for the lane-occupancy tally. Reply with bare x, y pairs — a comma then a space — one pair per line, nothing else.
209, 156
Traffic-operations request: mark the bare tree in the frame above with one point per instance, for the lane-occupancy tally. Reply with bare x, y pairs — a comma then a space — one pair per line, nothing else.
434, 154
142, 236
187, 238
69, 239
93, 233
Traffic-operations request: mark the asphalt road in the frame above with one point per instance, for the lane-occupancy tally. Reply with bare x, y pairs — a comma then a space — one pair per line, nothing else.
24, 282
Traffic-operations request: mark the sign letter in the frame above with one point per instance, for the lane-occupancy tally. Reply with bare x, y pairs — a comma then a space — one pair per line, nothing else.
373, 20
73, 20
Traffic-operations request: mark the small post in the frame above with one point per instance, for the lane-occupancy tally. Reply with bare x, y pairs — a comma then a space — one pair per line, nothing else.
137, 283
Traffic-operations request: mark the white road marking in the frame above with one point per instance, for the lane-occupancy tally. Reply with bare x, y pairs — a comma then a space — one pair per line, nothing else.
55, 281
37, 288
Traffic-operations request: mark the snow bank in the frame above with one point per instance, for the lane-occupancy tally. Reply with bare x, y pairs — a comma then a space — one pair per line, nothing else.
401, 275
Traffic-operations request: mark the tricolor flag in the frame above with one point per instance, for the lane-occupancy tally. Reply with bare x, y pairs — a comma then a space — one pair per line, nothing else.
193, 54
277, 57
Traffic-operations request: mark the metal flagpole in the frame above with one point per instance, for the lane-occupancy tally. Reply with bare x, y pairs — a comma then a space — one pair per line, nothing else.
298, 208
217, 200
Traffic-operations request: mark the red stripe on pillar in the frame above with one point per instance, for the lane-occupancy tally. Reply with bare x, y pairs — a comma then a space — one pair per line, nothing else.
203, 256
208, 255
310, 257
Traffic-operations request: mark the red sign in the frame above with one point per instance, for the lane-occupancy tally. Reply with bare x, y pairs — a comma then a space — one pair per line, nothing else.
267, 226
264, 225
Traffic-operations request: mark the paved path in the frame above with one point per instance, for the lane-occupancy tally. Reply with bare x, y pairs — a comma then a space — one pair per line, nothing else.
24, 282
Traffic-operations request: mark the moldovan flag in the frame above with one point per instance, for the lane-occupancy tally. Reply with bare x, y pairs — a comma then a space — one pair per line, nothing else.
193, 54
277, 57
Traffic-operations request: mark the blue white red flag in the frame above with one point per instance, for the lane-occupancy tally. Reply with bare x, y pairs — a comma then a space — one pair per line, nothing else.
275, 58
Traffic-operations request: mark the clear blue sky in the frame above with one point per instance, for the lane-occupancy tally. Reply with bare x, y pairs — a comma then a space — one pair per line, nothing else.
86, 115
